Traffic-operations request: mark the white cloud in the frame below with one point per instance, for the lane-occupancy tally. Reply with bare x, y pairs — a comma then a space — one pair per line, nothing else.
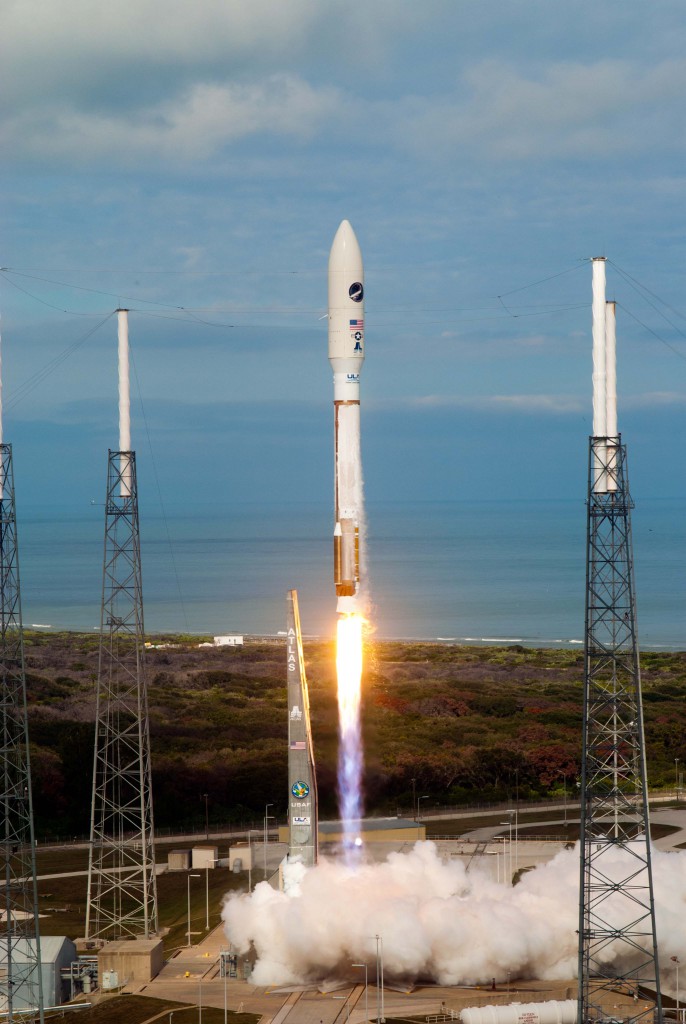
534, 404
567, 109
188, 129
653, 399
146, 77
72, 42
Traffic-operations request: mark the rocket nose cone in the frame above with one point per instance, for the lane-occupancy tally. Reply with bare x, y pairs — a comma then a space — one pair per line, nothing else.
345, 249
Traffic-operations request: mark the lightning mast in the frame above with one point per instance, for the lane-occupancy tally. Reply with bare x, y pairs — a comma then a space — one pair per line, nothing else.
617, 936
122, 891
21, 991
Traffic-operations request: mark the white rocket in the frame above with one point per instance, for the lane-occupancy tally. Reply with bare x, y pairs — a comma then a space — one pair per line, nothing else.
346, 355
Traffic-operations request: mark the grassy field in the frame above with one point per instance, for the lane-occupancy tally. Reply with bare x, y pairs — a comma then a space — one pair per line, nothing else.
62, 904
140, 1009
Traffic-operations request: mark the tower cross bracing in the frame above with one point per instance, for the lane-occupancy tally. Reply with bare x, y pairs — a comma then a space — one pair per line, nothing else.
617, 937
122, 892
20, 958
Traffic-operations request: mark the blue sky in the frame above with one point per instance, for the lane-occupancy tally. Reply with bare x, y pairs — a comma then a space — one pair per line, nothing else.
194, 161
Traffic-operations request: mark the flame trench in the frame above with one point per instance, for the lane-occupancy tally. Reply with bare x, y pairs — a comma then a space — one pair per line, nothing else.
350, 758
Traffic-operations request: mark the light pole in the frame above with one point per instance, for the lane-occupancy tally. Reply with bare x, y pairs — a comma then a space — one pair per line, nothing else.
226, 1010
564, 790
347, 1004
509, 846
200, 999
414, 799
379, 980
676, 774
516, 838
189, 905
250, 832
267, 816
419, 799
207, 897
206, 797
675, 960
366, 988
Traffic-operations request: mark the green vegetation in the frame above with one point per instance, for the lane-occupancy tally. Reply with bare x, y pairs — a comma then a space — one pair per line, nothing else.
466, 724
140, 1009
62, 904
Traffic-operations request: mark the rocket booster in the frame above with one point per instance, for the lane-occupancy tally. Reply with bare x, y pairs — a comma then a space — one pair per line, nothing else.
346, 355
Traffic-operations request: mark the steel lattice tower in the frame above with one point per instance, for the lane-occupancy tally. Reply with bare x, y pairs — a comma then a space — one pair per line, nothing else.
617, 938
122, 888
20, 976
122, 891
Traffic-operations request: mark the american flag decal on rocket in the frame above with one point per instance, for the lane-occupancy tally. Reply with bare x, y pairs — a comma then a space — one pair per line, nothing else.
356, 325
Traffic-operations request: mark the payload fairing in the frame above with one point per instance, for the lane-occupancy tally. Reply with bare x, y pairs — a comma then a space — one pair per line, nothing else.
346, 355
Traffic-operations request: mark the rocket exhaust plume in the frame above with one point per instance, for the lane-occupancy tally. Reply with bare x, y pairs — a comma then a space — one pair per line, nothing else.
438, 921
350, 758
346, 355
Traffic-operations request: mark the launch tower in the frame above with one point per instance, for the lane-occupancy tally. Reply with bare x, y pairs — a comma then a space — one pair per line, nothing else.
302, 780
617, 937
20, 959
122, 891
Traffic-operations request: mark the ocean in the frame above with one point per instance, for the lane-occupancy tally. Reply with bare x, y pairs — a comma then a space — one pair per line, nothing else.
504, 572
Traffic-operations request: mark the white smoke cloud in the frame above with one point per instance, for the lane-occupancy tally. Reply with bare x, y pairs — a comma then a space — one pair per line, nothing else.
437, 922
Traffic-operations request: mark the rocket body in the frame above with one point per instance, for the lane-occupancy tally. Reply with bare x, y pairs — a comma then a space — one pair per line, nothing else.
346, 355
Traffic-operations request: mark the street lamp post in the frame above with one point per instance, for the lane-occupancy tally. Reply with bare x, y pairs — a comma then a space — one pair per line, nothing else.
419, 799
564, 790
226, 1009
200, 999
676, 774
206, 797
515, 813
250, 833
207, 897
189, 905
366, 988
379, 980
414, 799
675, 960
347, 1005
509, 847
267, 816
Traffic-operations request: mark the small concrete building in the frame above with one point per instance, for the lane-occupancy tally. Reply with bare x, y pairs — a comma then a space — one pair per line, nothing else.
228, 641
243, 853
57, 952
205, 856
130, 960
179, 860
